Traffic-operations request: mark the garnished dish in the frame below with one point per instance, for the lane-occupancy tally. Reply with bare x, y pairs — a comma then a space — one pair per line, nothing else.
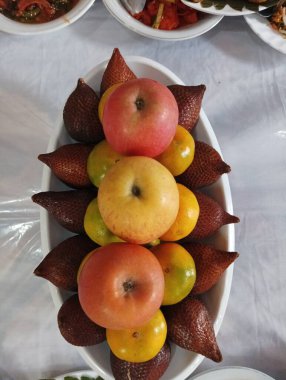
35, 11
278, 19
271, 30
229, 7
167, 14
124, 218
167, 21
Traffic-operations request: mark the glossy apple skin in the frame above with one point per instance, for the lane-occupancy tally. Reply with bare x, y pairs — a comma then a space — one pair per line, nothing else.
138, 199
121, 286
140, 118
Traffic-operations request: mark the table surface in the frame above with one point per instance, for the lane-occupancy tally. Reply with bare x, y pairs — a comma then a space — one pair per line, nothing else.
246, 104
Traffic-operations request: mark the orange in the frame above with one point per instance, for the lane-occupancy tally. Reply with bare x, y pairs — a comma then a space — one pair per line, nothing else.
83, 262
179, 271
104, 99
187, 216
100, 160
180, 153
139, 344
95, 227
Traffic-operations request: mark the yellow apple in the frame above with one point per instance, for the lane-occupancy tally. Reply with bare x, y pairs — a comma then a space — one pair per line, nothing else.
138, 199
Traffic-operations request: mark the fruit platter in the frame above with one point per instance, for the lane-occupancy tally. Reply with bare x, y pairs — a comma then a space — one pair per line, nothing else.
140, 318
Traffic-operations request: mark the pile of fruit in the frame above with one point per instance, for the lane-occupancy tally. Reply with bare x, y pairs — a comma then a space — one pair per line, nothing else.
136, 263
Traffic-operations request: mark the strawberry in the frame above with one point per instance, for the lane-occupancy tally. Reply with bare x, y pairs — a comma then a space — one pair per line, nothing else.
212, 216
206, 168
76, 327
116, 71
61, 264
67, 207
190, 327
150, 370
210, 264
189, 100
69, 164
81, 114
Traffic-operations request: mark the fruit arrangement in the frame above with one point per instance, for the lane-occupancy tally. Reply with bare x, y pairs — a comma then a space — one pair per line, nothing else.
137, 263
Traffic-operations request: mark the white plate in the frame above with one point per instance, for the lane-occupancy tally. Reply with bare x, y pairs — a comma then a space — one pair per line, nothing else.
183, 362
232, 373
78, 374
261, 27
14, 27
183, 33
226, 11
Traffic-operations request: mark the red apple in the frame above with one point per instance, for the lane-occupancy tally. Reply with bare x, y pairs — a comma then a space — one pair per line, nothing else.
140, 118
121, 286
138, 199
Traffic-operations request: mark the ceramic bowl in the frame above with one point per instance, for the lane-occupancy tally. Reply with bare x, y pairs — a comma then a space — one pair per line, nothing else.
15, 27
227, 10
191, 31
183, 362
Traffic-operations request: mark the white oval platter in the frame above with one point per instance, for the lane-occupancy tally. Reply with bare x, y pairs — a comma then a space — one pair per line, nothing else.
183, 362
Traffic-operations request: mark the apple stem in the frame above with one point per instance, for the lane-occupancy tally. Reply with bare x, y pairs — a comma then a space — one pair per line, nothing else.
139, 102
128, 285
136, 191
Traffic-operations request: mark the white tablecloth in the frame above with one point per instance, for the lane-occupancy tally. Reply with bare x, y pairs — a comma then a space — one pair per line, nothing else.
246, 104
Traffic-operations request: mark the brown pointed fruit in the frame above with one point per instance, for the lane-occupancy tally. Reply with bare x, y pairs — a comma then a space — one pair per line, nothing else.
61, 264
189, 99
69, 164
76, 327
150, 370
210, 265
117, 71
190, 327
67, 207
206, 168
212, 216
81, 114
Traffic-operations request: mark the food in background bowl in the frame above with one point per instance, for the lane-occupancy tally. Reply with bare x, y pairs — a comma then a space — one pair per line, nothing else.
68, 255
167, 14
43, 16
35, 11
201, 26
238, 4
278, 20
